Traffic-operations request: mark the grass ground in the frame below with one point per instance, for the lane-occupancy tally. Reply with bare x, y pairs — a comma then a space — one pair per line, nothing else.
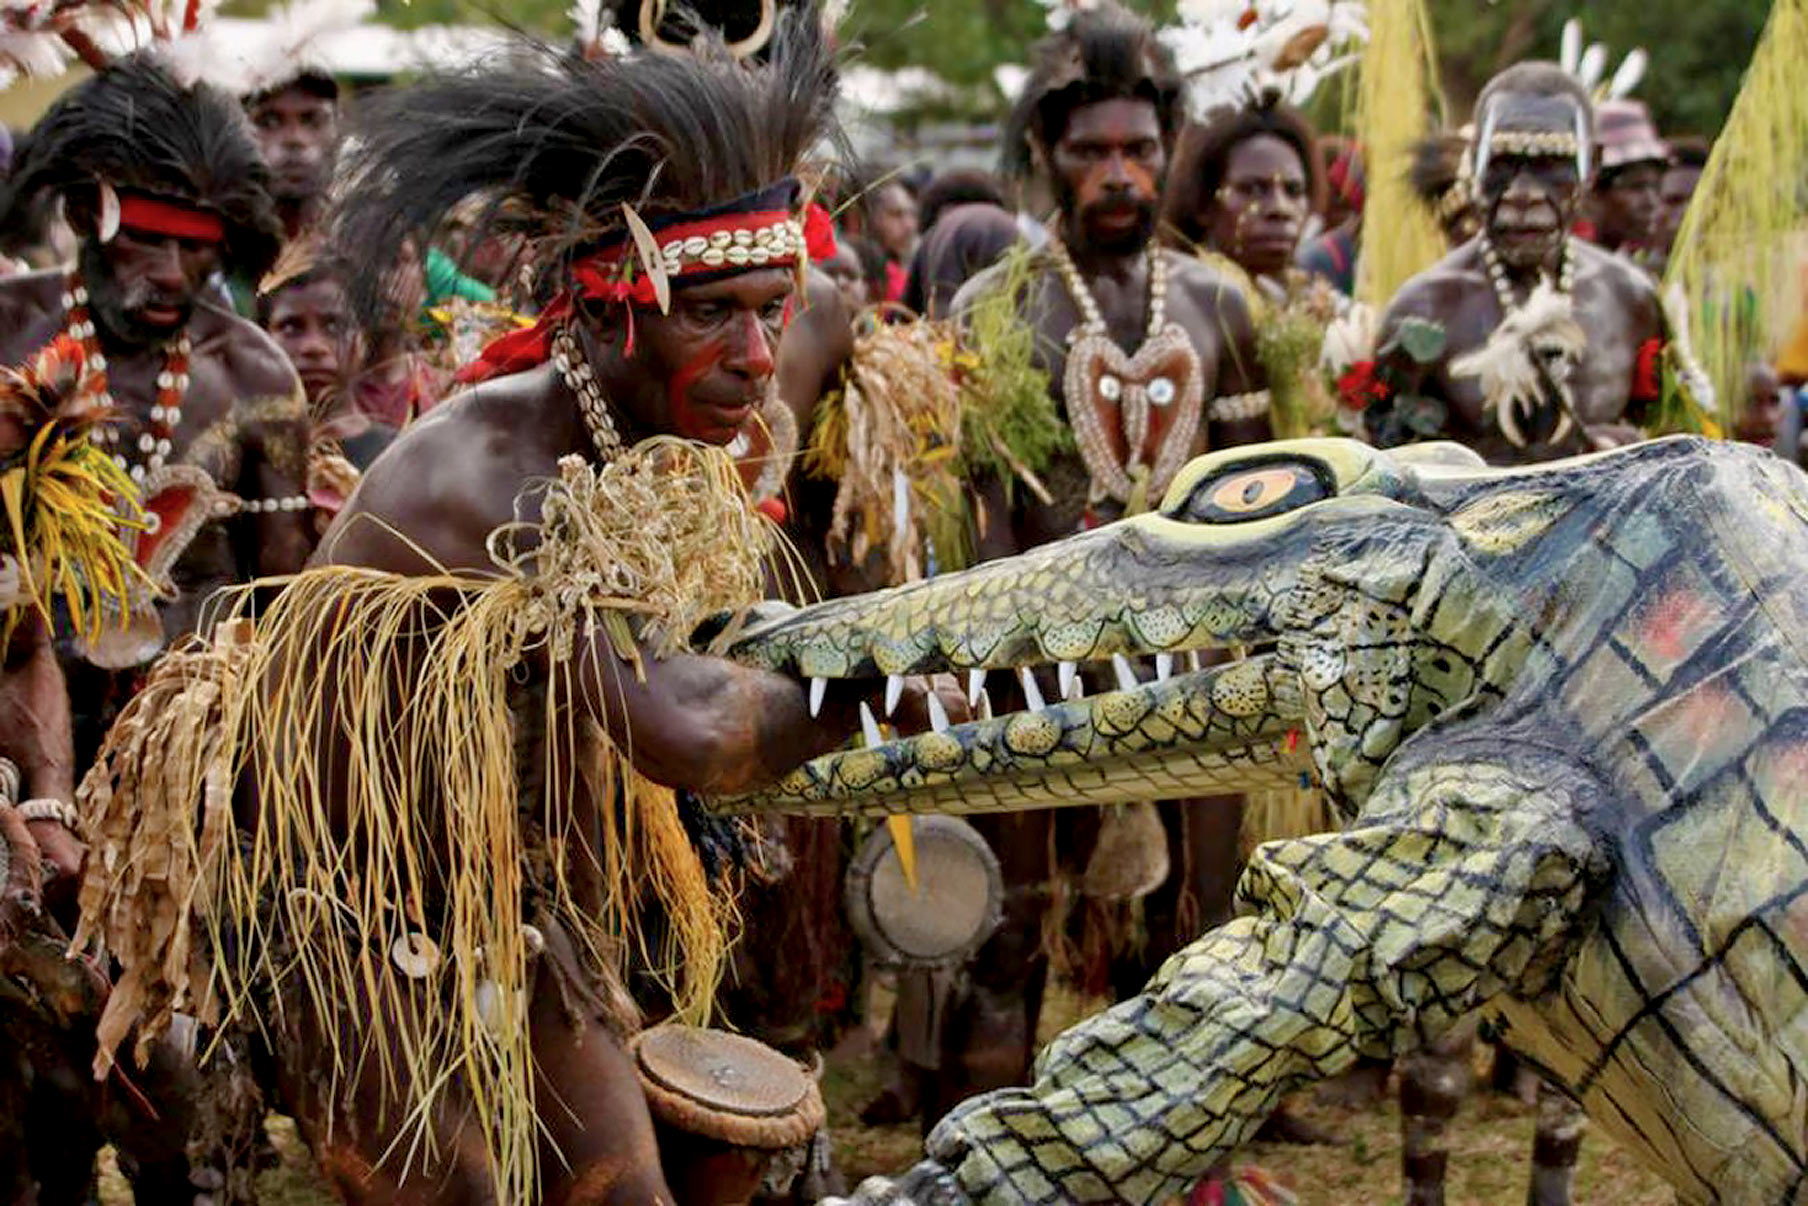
1490, 1143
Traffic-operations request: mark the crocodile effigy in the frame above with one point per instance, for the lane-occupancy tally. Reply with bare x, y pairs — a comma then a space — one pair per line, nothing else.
1562, 712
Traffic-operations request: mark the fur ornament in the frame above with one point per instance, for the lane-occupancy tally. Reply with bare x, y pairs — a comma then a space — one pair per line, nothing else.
1527, 363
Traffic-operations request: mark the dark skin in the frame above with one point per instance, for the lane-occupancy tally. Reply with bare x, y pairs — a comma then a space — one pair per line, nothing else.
241, 420
892, 220
1260, 209
1527, 204
1627, 206
696, 722
298, 133
312, 323
1107, 168
1677, 189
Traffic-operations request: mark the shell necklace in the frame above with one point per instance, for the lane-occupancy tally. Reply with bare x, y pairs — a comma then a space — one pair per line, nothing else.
1134, 417
574, 370
154, 443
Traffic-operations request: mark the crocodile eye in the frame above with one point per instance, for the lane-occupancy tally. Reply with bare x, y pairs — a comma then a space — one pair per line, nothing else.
1243, 492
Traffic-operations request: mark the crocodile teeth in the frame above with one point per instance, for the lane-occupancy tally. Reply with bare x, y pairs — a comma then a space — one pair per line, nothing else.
869, 728
1032, 694
976, 685
1066, 673
1164, 667
818, 688
894, 691
938, 715
1196, 660
985, 705
1076, 690
1126, 677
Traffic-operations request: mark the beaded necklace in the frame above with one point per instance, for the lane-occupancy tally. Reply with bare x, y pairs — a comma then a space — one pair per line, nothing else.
1114, 400
1507, 398
154, 443
574, 370
1503, 288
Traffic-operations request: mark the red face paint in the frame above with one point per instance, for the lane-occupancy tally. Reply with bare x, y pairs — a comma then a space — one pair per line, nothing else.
685, 417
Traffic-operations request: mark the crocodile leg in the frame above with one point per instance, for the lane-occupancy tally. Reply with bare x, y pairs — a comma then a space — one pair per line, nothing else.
1458, 882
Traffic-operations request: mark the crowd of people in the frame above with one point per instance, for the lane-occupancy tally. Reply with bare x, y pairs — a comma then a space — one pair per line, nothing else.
438, 427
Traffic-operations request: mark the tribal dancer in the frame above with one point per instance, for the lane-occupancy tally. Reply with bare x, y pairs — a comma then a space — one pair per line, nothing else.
1524, 343
197, 410
60, 542
164, 188
1245, 181
493, 657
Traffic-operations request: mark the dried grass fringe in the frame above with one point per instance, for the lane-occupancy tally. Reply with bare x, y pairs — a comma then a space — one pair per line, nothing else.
1731, 253
1398, 100
425, 867
897, 415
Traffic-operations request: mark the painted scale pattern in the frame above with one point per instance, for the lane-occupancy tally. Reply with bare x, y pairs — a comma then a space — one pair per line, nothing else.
1565, 711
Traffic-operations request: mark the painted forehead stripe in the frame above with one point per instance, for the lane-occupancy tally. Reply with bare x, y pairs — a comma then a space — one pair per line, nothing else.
1526, 143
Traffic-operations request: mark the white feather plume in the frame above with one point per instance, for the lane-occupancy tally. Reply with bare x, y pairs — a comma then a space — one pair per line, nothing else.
586, 20
1630, 73
1570, 56
1232, 51
1537, 343
1594, 66
34, 55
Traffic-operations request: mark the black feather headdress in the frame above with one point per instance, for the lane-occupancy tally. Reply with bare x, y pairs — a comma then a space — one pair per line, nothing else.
135, 126
557, 145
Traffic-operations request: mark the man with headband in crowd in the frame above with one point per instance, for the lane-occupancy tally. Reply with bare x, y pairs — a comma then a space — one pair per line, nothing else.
1525, 343
162, 184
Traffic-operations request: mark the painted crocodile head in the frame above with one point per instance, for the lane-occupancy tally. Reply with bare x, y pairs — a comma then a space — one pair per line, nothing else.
1373, 592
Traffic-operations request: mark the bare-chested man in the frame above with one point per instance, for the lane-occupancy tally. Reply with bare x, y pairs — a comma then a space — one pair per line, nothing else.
163, 186
1134, 338
1458, 336
702, 149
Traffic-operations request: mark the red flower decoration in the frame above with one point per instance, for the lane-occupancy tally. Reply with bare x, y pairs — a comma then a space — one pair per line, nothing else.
1250, 17
1362, 385
1647, 372
819, 233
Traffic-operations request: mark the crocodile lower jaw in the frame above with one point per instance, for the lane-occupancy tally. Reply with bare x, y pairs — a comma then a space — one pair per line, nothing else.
1219, 729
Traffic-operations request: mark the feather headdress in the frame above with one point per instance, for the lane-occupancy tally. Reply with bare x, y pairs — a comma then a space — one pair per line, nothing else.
136, 126
288, 46
564, 146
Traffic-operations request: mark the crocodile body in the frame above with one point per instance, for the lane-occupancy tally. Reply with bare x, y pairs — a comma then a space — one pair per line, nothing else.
1563, 712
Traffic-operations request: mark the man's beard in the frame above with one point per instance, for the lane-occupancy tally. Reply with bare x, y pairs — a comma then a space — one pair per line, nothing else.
114, 305
1076, 220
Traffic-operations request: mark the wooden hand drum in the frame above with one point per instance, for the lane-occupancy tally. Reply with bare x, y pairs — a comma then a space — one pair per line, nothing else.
723, 1105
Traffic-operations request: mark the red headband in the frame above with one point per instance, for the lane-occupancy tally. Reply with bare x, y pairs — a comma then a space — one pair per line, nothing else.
731, 242
152, 216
